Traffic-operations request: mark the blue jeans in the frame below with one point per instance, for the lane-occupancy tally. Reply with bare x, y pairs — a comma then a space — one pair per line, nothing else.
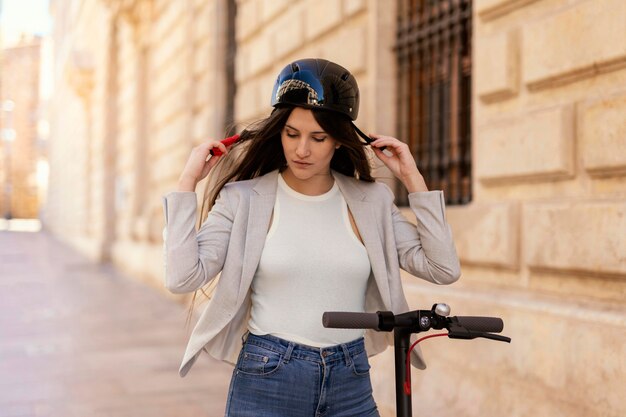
274, 377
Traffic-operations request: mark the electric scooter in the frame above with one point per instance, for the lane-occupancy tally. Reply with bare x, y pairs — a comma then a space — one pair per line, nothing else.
403, 325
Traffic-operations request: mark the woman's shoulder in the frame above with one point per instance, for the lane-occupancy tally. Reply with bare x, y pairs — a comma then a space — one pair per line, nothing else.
373, 190
238, 186
245, 187
379, 191
237, 190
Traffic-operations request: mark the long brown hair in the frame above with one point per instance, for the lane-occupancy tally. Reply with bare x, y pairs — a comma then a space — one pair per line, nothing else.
259, 151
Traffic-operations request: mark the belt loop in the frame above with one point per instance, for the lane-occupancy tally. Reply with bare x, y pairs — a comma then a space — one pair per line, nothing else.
244, 337
346, 354
288, 352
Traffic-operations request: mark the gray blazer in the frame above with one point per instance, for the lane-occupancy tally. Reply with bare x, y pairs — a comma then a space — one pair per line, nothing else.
231, 240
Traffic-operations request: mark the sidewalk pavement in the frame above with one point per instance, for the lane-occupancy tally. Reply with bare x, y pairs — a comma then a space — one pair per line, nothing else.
78, 339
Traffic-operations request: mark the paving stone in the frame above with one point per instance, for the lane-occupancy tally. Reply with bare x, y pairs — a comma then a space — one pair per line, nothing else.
80, 339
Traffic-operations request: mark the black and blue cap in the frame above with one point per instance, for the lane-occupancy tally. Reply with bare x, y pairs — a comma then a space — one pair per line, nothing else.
317, 83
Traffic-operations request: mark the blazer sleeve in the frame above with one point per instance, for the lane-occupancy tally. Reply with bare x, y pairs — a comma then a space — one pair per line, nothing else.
193, 259
426, 250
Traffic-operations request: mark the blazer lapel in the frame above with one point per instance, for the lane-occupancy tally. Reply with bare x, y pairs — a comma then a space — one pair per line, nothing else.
262, 202
367, 223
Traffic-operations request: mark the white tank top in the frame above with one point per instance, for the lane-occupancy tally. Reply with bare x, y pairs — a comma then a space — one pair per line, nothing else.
312, 262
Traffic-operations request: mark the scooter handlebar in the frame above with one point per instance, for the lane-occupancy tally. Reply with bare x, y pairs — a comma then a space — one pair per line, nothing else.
349, 320
479, 324
379, 321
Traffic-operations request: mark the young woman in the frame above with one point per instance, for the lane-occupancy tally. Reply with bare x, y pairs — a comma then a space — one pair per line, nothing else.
300, 227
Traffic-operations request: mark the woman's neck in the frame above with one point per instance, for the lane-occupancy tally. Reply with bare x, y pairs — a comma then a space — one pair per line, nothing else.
315, 185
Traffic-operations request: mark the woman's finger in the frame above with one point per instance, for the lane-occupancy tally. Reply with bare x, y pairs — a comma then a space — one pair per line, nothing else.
377, 136
222, 149
388, 141
200, 161
386, 156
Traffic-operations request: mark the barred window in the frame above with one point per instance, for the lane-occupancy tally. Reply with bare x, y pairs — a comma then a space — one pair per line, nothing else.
434, 91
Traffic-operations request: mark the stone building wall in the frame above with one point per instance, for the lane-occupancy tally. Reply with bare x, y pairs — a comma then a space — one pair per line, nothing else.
74, 209
139, 79
139, 82
542, 243
19, 157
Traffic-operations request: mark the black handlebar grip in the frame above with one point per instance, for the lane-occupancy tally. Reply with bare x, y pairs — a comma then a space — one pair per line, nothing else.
481, 324
348, 320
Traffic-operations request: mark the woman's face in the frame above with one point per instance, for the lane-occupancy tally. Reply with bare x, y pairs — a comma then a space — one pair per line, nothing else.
308, 148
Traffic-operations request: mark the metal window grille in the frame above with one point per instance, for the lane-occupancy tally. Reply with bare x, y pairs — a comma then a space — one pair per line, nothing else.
434, 91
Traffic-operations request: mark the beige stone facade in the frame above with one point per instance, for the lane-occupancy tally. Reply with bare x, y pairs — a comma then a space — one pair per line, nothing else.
20, 147
139, 82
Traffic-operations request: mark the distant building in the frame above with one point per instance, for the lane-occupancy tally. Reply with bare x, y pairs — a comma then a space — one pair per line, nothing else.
20, 148
516, 108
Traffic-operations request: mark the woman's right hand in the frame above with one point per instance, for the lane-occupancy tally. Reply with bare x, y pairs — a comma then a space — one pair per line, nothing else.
197, 167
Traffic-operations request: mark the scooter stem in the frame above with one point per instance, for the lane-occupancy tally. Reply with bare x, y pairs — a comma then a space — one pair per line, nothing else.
401, 344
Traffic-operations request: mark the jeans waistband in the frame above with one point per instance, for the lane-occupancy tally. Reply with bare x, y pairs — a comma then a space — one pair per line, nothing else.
343, 351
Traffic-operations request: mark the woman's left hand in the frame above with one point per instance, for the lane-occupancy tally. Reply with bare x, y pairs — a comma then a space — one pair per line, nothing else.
397, 157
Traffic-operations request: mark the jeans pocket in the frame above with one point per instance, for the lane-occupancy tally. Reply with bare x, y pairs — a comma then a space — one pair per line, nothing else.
360, 364
258, 361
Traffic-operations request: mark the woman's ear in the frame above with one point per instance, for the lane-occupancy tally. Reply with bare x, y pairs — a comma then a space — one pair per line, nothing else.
337, 146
